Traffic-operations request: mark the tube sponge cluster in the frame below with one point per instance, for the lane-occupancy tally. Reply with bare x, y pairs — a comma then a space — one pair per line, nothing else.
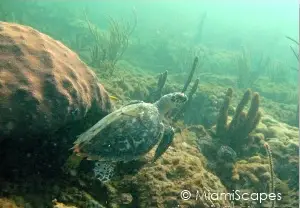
235, 133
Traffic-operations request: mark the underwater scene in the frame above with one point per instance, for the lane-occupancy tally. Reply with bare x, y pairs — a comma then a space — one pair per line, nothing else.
149, 104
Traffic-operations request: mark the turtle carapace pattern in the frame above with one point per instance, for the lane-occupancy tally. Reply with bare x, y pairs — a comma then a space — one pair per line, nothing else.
129, 132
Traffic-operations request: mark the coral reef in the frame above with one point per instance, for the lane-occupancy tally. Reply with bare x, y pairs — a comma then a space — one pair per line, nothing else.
44, 85
48, 96
278, 98
283, 141
160, 184
256, 170
6, 203
253, 176
136, 184
37, 192
57, 204
207, 101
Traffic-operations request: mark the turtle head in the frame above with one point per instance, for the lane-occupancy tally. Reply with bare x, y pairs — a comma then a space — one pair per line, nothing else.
171, 101
176, 99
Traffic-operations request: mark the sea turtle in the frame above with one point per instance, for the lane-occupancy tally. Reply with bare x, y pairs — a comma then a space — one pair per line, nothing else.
128, 133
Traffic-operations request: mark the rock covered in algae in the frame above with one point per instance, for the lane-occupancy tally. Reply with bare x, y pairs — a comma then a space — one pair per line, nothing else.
160, 185
61, 205
253, 176
283, 141
43, 84
255, 170
7, 203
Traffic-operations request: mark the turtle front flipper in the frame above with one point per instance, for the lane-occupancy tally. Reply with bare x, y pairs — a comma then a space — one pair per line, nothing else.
72, 164
131, 102
133, 112
164, 143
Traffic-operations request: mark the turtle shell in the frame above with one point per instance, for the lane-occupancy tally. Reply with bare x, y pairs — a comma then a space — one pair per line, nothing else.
126, 134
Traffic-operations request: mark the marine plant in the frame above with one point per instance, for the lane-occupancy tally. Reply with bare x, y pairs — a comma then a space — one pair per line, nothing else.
236, 133
277, 72
247, 75
78, 42
108, 48
293, 50
297, 57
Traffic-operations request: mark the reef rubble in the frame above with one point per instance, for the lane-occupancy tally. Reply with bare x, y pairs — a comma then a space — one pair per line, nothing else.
62, 97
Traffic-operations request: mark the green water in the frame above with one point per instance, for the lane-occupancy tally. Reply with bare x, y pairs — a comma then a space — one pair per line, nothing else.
260, 26
239, 44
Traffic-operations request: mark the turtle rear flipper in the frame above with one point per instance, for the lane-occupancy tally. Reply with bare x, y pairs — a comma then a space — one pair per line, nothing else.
104, 170
165, 142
